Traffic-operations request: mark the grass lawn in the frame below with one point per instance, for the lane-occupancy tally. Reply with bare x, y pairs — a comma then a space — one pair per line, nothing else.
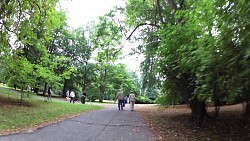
17, 115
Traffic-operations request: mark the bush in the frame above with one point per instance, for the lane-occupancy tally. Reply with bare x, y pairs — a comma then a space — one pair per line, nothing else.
143, 100
162, 100
168, 99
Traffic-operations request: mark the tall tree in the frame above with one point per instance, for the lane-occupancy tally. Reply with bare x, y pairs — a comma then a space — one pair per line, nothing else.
106, 38
196, 40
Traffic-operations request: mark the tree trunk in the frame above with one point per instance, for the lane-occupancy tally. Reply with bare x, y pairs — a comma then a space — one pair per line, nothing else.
103, 86
45, 88
85, 77
199, 111
247, 109
64, 89
67, 86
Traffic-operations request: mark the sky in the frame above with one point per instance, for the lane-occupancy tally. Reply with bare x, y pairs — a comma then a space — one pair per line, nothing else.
80, 12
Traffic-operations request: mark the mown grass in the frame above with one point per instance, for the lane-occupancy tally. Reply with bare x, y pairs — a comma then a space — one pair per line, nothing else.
31, 112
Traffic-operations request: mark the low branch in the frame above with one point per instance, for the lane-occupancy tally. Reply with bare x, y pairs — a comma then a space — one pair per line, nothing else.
142, 24
159, 11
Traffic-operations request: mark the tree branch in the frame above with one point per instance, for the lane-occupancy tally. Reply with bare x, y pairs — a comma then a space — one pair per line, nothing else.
142, 24
159, 11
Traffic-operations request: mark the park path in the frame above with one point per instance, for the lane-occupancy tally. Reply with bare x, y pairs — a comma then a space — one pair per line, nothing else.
108, 124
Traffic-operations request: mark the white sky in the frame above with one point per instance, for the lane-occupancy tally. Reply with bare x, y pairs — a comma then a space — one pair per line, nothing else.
80, 12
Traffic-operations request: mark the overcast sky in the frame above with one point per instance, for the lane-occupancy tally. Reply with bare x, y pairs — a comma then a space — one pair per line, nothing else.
80, 12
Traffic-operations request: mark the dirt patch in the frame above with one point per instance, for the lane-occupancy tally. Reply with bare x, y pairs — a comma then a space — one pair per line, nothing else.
174, 124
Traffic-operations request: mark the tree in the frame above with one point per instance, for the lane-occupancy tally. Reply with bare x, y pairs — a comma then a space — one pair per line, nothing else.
18, 71
27, 29
106, 38
196, 40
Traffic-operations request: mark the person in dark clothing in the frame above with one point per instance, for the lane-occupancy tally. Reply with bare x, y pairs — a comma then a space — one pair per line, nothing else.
125, 101
49, 94
120, 97
83, 97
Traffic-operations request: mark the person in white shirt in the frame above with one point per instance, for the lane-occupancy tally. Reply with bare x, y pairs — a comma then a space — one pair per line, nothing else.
28, 90
72, 96
67, 95
132, 100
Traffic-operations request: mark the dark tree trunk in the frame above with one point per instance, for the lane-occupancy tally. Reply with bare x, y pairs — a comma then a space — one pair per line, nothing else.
103, 86
45, 88
85, 77
64, 89
247, 109
67, 86
199, 111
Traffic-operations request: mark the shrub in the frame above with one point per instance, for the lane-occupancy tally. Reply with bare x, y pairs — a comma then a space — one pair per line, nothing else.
143, 100
168, 99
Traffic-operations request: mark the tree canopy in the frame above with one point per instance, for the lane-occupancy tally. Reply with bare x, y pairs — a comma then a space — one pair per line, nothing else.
198, 49
194, 51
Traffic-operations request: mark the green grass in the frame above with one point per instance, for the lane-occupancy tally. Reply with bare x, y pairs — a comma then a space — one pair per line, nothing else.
17, 114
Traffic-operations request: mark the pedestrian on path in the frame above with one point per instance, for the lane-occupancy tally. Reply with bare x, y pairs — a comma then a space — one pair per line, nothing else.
67, 95
72, 97
83, 97
49, 94
132, 100
28, 90
125, 100
120, 97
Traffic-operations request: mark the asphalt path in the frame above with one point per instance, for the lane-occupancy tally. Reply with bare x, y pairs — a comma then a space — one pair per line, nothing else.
108, 124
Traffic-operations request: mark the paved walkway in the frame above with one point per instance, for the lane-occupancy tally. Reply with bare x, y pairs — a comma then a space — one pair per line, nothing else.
108, 124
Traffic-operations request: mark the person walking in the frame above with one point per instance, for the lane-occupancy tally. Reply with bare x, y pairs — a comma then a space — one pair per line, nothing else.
49, 94
125, 100
83, 97
120, 97
132, 100
28, 90
67, 95
72, 97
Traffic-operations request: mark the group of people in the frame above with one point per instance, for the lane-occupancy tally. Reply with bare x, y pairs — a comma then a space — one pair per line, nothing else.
122, 100
71, 95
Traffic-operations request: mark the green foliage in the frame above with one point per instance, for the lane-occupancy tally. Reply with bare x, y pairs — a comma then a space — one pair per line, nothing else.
143, 100
18, 72
39, 49
202, 48
107, 37
163, 100
168, 99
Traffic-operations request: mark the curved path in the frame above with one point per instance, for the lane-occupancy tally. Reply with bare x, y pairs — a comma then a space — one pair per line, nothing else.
108, 124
